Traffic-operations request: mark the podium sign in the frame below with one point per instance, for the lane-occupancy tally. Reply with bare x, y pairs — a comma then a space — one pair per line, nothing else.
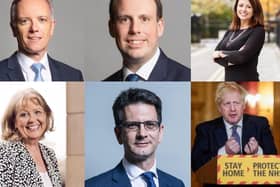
248, 169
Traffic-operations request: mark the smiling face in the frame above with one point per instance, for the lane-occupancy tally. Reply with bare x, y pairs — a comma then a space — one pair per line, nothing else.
232, 107
31, 121
136, 30
33, 27
244, 11
141, 144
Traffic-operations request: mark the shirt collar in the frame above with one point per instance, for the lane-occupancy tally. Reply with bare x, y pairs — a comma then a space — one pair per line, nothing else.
26, 62
229, 126
134, 172
145, 70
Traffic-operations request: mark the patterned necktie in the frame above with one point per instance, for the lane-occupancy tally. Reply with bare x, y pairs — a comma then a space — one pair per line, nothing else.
148, 178
37, 67
132, 77
235, 134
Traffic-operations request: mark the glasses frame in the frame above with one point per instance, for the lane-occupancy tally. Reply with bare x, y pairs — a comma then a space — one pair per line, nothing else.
149, 125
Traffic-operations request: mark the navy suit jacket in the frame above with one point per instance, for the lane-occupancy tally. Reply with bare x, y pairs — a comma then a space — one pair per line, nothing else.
165, 69
117, 177
10, 70
211, 136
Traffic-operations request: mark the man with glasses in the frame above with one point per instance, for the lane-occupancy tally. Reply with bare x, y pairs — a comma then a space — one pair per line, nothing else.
232, 133
137, 114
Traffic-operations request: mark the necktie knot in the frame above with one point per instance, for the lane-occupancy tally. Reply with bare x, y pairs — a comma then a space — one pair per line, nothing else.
148, 178
132, 77
36, 68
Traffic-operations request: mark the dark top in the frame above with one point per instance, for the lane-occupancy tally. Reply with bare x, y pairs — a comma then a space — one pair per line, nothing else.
117, 177
242, 48
10, 70
211, 136
165, 69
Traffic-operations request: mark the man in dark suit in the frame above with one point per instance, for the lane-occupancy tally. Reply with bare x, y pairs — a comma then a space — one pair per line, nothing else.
32, 23
137, 27
234, 132
137, 114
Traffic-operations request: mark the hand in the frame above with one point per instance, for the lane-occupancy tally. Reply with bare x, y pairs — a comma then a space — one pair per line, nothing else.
216, 54
252, 146
232, 146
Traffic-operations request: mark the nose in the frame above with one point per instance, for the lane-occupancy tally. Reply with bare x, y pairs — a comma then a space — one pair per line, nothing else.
232, 107
32, 117
142, 132
134, 27
34, 26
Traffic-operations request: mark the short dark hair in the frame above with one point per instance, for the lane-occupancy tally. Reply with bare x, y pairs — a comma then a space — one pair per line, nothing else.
133, 96
112, 9
256, 20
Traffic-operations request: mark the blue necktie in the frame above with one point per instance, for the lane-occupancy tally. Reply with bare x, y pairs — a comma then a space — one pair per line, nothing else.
235, 135
132, 77
148, 178
37, 67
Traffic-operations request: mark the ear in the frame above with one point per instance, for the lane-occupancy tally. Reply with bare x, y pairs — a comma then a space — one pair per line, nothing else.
118, 134
52, 26
161, 128
160, 25
111, 26
14, 30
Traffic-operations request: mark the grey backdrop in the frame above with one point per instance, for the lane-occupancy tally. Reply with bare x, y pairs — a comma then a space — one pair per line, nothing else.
102, 151
81, 37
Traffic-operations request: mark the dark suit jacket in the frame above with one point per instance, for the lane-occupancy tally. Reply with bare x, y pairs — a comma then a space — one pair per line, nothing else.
117, 178
10, 70
165, 69
211, 135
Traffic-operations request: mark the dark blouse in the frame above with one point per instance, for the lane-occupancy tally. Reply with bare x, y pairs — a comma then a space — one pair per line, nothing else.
242, 48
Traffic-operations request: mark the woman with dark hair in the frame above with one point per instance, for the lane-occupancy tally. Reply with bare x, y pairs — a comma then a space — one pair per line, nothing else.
241, 45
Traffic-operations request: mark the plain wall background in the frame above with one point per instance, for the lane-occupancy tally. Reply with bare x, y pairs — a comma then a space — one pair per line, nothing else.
102, 151
81, 38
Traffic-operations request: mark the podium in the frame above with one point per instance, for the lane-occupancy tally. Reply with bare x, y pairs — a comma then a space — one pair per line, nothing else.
241, 170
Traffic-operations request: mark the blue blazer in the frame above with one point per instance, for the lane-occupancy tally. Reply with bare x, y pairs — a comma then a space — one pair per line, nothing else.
117, 178
165, 69
211, 136
10, 70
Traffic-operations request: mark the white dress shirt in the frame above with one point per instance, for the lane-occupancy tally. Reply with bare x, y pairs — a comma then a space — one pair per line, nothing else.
145, 70
26, 62
134, 174
222, 150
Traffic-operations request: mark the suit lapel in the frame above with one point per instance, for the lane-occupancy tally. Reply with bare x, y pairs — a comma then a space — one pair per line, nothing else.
162, 180
220, 133
120, 177
54, 70
14, 69
246, 131
159, 72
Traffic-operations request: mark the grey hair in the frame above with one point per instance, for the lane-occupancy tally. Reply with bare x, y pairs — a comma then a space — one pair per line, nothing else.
13, 11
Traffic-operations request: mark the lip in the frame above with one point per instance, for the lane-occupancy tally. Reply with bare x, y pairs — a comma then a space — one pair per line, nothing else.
34, 127
142, 144
34, 38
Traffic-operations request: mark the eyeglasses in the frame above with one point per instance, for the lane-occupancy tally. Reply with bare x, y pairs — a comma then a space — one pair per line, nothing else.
135, 125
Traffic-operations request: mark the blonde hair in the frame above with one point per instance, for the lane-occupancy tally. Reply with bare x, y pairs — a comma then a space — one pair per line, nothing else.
19, 100
225, 87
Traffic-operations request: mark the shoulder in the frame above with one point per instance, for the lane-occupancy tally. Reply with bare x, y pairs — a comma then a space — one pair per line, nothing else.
68, 72
175, 69
169, 179
209, 125
100, 180
4, 63
117, 76
256, 119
